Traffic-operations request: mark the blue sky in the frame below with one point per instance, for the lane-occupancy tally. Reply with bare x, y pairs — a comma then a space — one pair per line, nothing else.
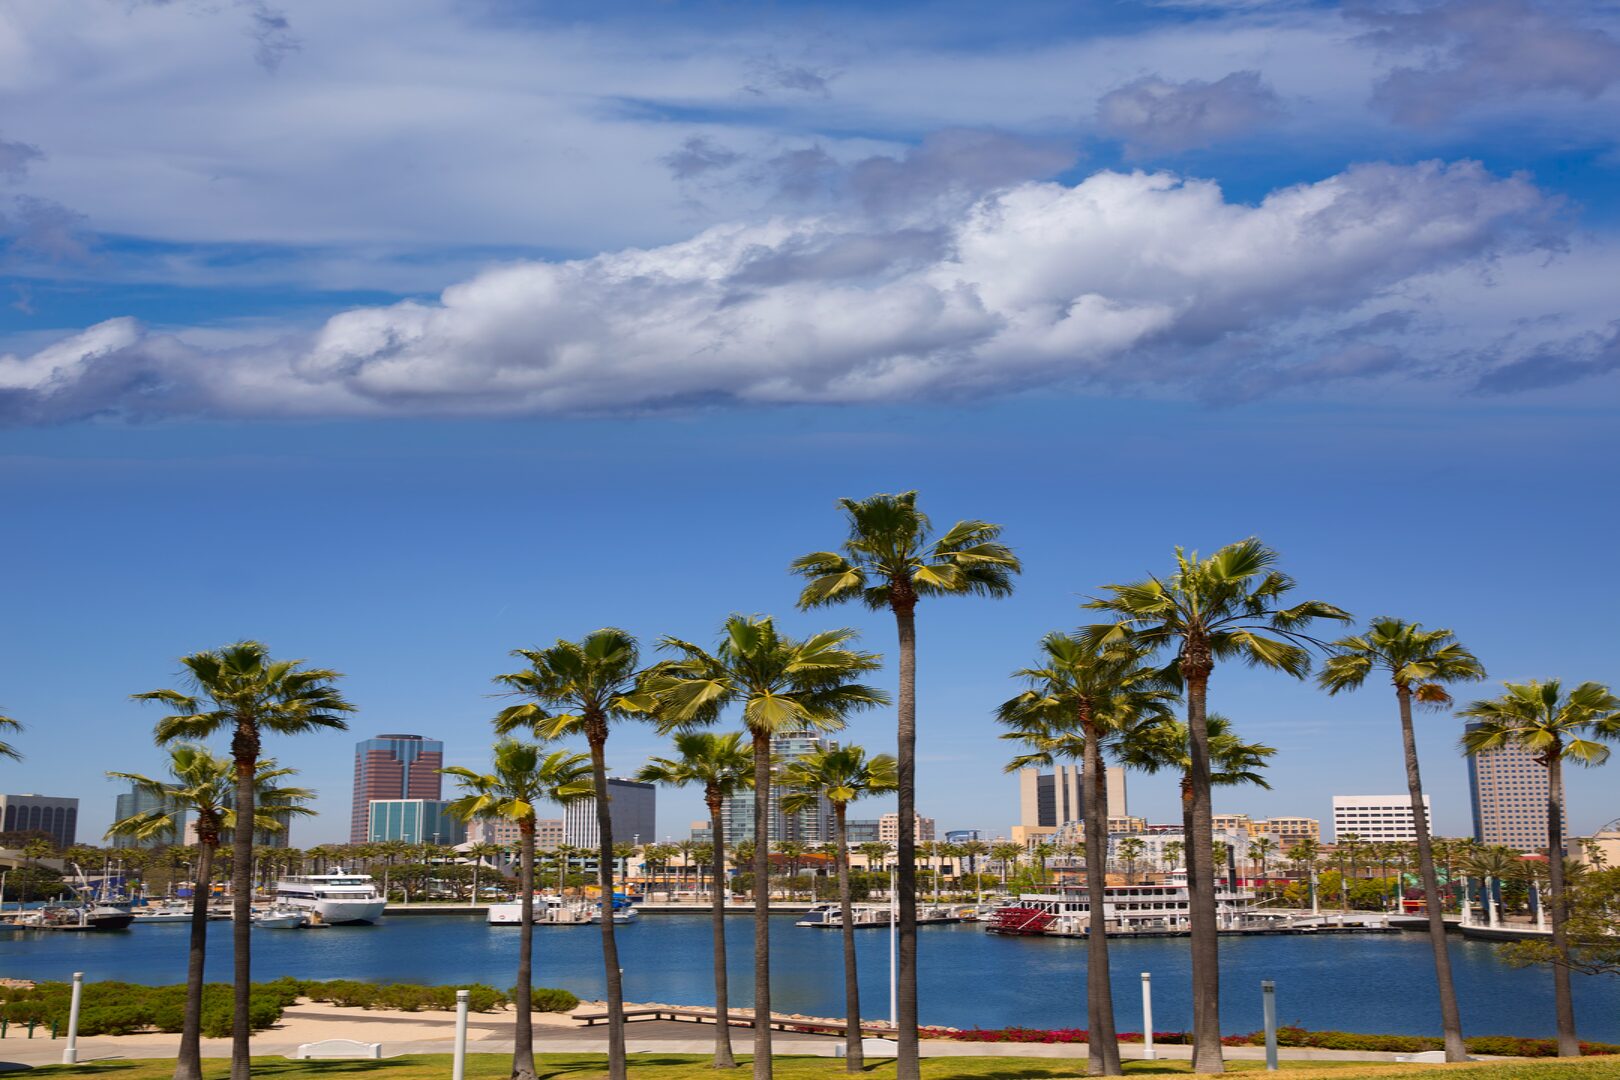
401, 335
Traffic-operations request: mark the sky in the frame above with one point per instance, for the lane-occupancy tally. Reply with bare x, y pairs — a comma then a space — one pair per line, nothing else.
400, 335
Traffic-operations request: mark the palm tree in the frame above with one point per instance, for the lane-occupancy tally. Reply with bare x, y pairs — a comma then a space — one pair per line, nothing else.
890, 559
1083, 696
1492, 865
478, 853
6, 749
521, 775
240, 689
973, 850
204, 785
722, 766
1554, 727
1419, 664
1130, 853
1226, 607
581, 688
782, 684
841, 776
793, 851
1006, 853
1173, 851
1261, 849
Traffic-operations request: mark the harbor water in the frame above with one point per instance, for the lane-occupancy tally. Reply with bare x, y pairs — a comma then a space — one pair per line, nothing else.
968, 978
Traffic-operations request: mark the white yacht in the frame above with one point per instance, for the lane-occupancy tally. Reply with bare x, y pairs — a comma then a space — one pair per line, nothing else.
172, 911
333, 899
548, 911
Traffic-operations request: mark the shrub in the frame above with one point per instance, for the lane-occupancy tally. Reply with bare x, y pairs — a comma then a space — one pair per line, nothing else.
550, 999
113, 1019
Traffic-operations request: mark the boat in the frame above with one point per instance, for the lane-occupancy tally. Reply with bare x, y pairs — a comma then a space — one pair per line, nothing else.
76, 917
108, 916
548, 911
621, 915
177, 911
334, 899
280, 918
830, 917
1130, 909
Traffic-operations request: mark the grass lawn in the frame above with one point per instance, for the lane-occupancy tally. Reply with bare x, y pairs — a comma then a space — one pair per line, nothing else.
687, 1067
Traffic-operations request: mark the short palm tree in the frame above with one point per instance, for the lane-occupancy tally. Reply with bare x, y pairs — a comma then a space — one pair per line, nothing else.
522, 775
240, 689
841, 776
6, 749
1492, 865
205, 786
1229, 606
1554, 727
1131, 849
1007, 854
891, 559
581, 688
722, 766
1173, 851
781, 684
1419, 663
481, 853
1083, 695
1261, 848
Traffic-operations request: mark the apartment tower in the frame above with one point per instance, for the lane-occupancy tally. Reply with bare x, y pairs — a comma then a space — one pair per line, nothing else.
1508, 790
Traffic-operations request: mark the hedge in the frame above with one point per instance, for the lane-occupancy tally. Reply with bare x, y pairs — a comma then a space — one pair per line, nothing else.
1494, 1045
120, 1008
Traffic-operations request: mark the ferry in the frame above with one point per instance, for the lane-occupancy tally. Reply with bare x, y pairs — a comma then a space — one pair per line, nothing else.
334, 899
1130, 909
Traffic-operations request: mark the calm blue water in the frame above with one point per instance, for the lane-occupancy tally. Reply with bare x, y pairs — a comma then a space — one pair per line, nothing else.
1374, 983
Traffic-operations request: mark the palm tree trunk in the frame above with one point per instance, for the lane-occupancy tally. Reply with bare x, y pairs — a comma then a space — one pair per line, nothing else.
1206, 961
854, 1057
723, 1058
610, 946
1563, 1002
906, 1065
245, 751
522, 998
188, 1065
1450, 1016
762, 906
1102, 1053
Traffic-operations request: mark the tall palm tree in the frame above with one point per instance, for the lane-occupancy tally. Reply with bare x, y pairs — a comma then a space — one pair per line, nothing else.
6, 749
722, 766
891, 559
840, 777
1226, 607
1554, 727
240, 689
581, 688
521, 775
1419, 663
204, 785
1083, 695
781, 684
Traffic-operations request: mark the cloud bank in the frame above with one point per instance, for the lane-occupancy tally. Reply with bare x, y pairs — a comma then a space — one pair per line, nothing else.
1127, 279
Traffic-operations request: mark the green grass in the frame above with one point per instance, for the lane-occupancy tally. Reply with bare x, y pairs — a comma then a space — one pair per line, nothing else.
689, 1067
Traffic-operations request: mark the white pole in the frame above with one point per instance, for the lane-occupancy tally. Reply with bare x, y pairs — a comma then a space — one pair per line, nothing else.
458, 1070
894, 956
1148, 1053
1268, 993
70, 1056
1541, 906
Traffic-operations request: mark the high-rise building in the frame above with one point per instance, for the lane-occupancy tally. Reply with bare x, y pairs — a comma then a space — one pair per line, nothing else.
393, 767
59, 818
862, 830
548, 833
1049, 800
809, 826
632, 809
889, 828
414, 821
274, 838
140, 801
1377, 818
1508, 790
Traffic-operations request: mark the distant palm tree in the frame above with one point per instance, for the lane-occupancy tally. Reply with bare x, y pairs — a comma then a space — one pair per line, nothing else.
6, 749
781, 684
975, 850
1261, 848
240, 689
876, 853
1226, 607
581, 688
1131, 850
205, 786
891, 559
521, 775
1419, 664
1173, 850
1553, 727
1493, 865
480, 852
840, 777
722, 766
1007, 854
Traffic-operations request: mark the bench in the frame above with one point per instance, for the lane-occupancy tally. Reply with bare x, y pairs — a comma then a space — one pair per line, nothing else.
337, 1048
737, 1019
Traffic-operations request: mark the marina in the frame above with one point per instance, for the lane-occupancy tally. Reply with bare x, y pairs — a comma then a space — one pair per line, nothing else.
1350, 982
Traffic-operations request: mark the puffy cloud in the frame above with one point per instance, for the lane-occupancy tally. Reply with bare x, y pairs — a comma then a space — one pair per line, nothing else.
1480, 50
1155, 116
15, 158
1120, 279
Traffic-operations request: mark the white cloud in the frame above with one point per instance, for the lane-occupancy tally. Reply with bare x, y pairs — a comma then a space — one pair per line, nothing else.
1154, 115
1123, 278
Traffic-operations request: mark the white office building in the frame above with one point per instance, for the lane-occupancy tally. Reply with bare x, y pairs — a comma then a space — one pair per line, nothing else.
1377, 818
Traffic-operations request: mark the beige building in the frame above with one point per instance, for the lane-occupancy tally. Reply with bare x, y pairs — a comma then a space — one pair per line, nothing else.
1289, 830
548, 833
1508, 789
889, 828
1602, 847
1047, 801
1232, 823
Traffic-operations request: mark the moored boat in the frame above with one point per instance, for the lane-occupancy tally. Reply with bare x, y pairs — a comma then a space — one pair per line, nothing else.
548, 911
335, 899
280, 918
